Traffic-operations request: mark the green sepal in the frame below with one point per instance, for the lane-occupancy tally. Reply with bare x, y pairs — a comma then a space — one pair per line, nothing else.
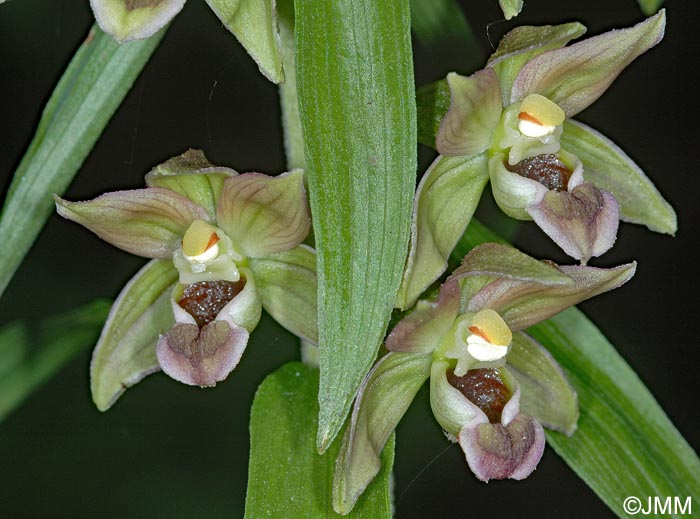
444, 204
262, 214
147, 222
475, 110
575, 76
610, 168
192, 176
522, 44
524, 303
493, 262
254, 23
546, 393
286, 283
126, 350
381, 402
511, 8
286, 476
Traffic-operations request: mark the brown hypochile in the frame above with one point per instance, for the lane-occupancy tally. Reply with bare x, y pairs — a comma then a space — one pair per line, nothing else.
204, 300
484, 388
546, 169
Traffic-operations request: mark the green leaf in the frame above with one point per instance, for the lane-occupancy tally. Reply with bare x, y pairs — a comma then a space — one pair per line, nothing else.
607, 166
434, 21
445, 202
286, 282
625, 445
356, 100
286, 476
126, 351
92, 87
254, 23
31, 353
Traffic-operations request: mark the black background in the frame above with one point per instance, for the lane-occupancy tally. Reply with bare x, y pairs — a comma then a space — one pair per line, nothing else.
167, 450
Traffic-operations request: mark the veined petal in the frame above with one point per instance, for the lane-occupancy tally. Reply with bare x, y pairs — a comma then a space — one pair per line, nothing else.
499, 451
610, 168
263, 215
522, 44
201, 357
384, 397
146, 222
583, 222
522, 304
475, 110
126, 350
254, 23
192, 176
505, 262
547, 395
128, 20
443, 205
422, 330
575, 76
287, 285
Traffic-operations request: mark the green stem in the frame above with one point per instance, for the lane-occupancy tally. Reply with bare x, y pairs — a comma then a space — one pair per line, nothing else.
291, 124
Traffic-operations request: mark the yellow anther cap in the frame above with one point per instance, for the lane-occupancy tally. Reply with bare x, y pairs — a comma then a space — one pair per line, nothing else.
539, 116
200, 238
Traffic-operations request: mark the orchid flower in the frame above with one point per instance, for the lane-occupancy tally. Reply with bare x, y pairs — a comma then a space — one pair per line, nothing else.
511, 123
492, 386
223, 246
253, 23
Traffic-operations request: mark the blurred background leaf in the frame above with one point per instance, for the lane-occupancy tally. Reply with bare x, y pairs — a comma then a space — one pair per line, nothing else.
32, 352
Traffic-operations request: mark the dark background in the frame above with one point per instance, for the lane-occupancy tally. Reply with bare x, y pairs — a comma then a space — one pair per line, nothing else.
167, 450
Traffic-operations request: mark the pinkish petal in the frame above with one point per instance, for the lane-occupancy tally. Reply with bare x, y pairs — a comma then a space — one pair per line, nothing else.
497, 451
262, 214
575, 76
522, 304
582, 222
421, 330
201, 357
147, 222
475, 110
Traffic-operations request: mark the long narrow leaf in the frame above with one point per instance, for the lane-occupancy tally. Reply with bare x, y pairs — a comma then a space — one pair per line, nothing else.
357, 106
625, 445
287, 477
31, 353
89, 92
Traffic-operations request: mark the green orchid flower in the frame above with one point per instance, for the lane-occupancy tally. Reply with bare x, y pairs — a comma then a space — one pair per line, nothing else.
492, 386
223, 246
253, 23
510, 123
